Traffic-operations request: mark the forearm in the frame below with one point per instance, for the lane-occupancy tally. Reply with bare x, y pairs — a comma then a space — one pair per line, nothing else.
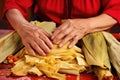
16, 19
75, 29
101, 22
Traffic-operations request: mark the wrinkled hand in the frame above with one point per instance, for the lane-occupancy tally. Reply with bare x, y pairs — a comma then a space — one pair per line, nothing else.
35, 39
71, 30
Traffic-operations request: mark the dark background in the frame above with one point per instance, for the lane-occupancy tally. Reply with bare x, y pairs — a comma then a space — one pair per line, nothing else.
3, 25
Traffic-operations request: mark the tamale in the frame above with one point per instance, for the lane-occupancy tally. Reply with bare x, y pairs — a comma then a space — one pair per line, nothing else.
96, 53
103, 74
9, 44
114, 51
95, 50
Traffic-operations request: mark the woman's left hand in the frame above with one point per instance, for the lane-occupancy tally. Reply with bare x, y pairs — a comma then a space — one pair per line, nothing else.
71, 30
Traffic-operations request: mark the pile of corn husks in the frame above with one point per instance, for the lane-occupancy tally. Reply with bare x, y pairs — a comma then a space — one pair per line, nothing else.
97, 51
59, 60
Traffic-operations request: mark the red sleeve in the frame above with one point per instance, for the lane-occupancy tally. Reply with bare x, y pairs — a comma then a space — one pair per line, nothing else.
21, 5
112, 8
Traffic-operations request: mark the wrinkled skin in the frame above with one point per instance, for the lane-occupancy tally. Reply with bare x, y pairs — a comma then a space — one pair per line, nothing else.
35, 39
71, 30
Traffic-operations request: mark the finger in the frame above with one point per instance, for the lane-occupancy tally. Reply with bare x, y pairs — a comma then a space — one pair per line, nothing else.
62, 34
46, 40
59, 37
30, 50
74, 41
47, 34
43, 46
57, 30
43, 37
37, 48
66, 39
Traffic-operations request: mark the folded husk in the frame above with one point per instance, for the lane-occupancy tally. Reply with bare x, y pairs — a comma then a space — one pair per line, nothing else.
96, 54
9, 44
114, 51
103, 74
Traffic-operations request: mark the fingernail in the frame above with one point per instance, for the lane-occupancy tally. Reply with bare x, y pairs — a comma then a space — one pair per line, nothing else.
44, 54
70, 46
51, 46
60, 45
54, 41
52, 37
33, 54
48, 51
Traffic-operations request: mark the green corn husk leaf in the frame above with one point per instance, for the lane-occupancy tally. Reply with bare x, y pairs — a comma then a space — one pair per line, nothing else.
114, 51
96, 54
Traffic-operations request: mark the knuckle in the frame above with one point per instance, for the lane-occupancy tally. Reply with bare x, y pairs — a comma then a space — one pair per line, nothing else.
63, 33
66, 31
70, 35
69, 20
41, 52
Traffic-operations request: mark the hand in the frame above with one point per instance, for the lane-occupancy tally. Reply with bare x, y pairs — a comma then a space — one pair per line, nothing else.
71, 30
35, 39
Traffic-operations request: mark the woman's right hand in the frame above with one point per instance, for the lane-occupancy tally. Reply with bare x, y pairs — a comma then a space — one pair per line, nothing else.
35, 39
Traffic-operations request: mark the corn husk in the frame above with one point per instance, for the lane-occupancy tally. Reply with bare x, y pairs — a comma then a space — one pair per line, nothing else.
96, 54
59, 60
21, 68
67, 61
114, 51
47, 26
103, 74
9, 44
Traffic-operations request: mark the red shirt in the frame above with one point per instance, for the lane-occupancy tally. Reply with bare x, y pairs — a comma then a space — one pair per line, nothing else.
56, 10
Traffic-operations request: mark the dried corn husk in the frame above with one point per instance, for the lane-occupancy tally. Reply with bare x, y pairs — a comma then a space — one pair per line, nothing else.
48, 26
95, 51
21, 68
103, 74
114, 50
59, 60
67, 61
9, 44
